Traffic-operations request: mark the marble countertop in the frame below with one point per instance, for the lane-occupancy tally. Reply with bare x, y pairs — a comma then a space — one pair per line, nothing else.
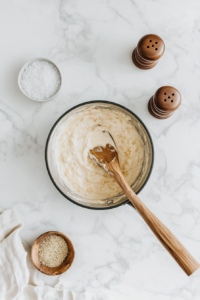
91, 41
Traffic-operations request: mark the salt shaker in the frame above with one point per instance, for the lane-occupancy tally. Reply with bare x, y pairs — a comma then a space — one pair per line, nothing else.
149, 50
164, 102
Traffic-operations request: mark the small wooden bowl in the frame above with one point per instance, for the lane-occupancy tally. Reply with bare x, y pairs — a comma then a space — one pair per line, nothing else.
49, 270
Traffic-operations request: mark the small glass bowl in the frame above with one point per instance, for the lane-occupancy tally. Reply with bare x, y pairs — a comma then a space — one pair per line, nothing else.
28, 63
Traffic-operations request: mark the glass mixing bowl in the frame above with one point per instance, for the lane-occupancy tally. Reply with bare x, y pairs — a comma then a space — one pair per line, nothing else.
113, 201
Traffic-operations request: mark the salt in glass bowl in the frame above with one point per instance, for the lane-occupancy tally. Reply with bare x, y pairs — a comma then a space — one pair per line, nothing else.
24, 67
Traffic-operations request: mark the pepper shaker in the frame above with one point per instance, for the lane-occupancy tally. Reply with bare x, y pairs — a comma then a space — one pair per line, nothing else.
164, 102
149, 50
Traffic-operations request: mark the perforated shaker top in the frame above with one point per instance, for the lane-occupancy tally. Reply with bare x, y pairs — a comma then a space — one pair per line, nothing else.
151, 47
167, 98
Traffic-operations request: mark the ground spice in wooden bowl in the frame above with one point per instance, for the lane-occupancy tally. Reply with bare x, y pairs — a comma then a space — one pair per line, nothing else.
52, 253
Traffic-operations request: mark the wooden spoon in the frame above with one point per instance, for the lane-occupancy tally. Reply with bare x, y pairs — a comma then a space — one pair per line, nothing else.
107, 158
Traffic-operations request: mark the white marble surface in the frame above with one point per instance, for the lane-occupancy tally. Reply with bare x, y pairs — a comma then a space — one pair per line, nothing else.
91, 41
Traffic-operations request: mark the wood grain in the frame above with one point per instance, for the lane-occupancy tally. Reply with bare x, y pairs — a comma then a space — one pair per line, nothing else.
165, 236
49, 270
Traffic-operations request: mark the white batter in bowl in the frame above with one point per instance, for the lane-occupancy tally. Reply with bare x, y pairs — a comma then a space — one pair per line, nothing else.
79, 134
64, 172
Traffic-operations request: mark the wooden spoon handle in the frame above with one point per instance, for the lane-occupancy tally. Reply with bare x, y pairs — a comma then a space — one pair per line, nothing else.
165, 236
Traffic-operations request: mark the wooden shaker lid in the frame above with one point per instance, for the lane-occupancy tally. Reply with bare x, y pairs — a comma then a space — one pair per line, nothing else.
167, 99
151, 47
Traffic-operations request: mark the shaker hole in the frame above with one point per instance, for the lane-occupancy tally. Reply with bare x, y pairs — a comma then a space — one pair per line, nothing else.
165, 94
150, 41
147, 46
171, 100
156, 48
152, 45
169, 97
173, 94
156, 42
165, 99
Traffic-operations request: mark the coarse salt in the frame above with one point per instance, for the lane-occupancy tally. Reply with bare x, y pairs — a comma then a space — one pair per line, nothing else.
40, 80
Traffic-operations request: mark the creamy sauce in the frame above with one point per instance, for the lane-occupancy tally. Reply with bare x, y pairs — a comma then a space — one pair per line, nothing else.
81, 133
